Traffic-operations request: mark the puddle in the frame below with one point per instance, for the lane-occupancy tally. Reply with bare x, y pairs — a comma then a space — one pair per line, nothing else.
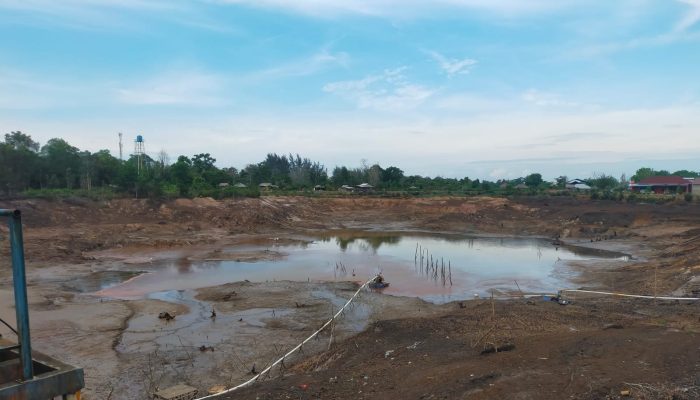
100, 280
477, 265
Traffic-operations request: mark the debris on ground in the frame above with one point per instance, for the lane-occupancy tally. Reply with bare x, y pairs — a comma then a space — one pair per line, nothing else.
612, 326
229, 296
216, 389
177, 392
498, 349
166, 316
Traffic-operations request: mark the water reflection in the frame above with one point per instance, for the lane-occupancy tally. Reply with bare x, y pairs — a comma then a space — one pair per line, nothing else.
460, 266
366, 243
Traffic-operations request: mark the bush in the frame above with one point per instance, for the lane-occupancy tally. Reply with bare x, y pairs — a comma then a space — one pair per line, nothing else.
101, 193
170, 191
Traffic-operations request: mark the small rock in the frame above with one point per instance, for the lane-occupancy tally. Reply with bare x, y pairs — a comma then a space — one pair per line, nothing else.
612, 326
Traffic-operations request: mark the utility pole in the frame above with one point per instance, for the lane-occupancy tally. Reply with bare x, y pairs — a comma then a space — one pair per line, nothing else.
121, 146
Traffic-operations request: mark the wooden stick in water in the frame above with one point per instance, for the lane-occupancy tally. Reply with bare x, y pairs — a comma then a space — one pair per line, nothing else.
449, 267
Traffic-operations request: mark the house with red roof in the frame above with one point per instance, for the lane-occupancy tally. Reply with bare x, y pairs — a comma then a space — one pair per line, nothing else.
663, 184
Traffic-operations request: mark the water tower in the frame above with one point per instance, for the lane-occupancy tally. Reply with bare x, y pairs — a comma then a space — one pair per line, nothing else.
139, 152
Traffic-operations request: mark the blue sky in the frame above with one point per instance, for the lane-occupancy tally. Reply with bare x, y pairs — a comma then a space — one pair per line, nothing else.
488, 89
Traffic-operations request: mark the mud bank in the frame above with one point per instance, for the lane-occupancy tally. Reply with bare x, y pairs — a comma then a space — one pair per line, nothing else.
77, 252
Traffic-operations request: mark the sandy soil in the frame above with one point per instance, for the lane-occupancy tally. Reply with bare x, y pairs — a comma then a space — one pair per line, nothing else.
594, 348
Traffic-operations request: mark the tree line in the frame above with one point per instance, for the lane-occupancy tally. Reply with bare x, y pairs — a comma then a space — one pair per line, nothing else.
27, 168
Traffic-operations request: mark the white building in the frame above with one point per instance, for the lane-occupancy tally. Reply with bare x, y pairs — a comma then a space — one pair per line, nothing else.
695, 187
577, 184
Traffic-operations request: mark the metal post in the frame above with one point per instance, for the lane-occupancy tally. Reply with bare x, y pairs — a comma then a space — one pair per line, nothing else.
20, 288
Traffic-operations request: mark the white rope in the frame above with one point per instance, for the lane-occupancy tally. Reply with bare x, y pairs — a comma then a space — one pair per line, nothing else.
639, 296
281, 359
337, 314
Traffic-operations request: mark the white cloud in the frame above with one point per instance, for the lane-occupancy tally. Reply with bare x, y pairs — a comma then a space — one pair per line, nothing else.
691, 17
546, 99
175, 88
20, 90
98, 15
404, 8
453, 67
389, 91
678, 33
305, 66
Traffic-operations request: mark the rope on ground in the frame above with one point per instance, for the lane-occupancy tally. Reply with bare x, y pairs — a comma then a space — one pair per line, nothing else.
292, 351
638, 296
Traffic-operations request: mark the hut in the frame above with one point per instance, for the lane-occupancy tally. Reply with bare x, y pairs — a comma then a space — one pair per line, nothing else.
267, 186
365, 188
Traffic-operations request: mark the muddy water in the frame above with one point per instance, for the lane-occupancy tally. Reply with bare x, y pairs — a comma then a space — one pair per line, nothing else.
477, 265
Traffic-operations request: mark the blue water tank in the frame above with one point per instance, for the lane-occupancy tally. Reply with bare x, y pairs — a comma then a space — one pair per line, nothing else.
139, 138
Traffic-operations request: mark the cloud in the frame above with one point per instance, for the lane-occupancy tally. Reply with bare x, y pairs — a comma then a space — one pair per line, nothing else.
389, 91
175, 88
102, 15
453, 67
678, 33
545, 99
21, 90
305, 66
691, 17
403, 8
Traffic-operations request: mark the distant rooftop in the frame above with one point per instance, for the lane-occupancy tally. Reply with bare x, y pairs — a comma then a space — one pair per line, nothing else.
663, 180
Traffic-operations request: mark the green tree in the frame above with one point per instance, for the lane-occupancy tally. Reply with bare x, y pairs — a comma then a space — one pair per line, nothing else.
603, 182
646, 172
686, 174
21, 141
374, 175
203, 162
561, 181
62, 164
182, 174
533, 180
20, 165
105, 167
392, 176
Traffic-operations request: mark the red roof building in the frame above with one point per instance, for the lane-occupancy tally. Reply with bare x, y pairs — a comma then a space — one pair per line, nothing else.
663, 184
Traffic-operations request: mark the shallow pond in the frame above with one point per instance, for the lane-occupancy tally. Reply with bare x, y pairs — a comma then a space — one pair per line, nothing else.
473, 265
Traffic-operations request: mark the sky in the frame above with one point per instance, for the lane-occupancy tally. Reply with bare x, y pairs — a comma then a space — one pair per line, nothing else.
486, 89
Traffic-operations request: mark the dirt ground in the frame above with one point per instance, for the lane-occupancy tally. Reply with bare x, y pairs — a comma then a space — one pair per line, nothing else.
390, 347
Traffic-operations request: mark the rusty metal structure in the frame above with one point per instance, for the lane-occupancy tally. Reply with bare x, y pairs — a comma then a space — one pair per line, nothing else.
26, 374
